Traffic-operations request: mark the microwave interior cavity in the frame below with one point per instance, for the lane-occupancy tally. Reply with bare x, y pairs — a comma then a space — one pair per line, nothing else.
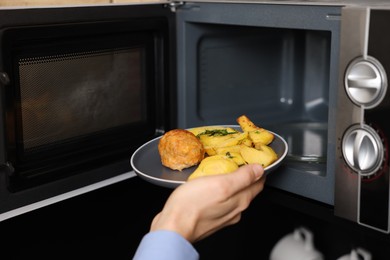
266, 67
279, 77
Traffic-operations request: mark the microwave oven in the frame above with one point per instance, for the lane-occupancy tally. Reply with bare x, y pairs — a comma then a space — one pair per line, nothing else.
83, 86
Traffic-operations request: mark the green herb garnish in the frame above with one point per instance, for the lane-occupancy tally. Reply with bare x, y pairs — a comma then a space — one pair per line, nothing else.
229, 155
217, 132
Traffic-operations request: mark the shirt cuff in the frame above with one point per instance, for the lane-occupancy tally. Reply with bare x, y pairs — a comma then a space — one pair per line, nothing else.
163, 244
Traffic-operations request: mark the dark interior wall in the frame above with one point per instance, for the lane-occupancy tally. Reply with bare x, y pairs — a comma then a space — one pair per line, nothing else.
109, 223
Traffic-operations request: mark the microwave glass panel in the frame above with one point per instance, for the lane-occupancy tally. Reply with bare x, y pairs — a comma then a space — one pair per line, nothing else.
67, 96
73, 106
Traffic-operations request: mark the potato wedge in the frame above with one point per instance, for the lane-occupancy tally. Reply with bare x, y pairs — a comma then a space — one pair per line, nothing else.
246, 124
232, 152
253, 155
212, 165
237, 157
267, 149
247, 141
212, 142
229, 149
256, 134
261, 136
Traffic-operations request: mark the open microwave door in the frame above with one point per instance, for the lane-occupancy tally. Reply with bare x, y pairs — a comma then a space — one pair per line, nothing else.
82, 87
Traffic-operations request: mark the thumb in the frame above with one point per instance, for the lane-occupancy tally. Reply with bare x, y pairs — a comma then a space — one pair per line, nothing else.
245, 176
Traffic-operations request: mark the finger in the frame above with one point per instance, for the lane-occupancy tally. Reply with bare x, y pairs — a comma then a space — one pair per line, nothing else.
235, 203
242, 199
245, 176
257, 187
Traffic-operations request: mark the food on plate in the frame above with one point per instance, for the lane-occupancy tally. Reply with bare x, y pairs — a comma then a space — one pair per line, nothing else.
218, 138
251, 145
263, 155
180, 149
215, 164
217, 149
198, 130
233, 152
256, 134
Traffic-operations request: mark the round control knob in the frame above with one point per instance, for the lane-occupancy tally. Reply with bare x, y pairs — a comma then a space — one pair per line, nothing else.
365, 82
362, 149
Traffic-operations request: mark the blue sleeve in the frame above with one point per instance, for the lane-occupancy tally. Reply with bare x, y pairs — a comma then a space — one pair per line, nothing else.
165, 245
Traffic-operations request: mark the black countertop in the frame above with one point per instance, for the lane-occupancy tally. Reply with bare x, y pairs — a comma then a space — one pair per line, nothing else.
109, 223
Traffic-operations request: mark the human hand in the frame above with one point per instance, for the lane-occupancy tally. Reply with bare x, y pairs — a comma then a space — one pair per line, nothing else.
204, 205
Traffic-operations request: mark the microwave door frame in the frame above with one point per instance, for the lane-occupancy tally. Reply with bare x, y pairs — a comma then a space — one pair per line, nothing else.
199, 13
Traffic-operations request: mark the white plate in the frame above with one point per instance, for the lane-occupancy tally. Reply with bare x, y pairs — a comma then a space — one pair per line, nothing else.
146, 162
